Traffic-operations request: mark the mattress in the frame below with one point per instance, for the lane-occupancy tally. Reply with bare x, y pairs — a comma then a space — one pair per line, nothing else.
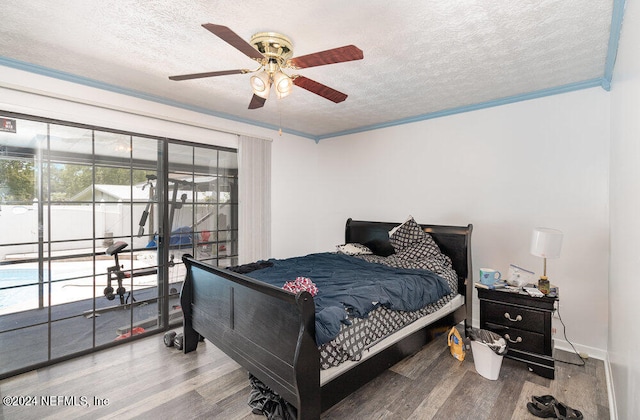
425, 317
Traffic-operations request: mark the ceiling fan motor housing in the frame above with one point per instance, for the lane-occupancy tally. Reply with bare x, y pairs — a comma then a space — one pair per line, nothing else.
273, 46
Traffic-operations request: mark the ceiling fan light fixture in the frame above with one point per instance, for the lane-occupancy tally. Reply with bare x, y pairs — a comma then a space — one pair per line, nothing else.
260, 84
283, 84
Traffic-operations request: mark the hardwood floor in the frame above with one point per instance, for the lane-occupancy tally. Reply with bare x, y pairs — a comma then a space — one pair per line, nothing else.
145, 379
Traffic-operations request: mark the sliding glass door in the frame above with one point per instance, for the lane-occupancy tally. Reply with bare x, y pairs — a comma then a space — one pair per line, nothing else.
93, 225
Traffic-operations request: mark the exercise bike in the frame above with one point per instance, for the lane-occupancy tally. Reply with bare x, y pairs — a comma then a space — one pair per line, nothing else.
117, 273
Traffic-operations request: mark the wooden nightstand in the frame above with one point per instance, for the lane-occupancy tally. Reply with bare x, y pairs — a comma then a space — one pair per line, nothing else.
525, 322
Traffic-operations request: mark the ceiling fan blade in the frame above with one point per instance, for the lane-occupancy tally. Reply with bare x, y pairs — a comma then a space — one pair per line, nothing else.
234, 40
319, 89
208, 74
335, 55
257, 102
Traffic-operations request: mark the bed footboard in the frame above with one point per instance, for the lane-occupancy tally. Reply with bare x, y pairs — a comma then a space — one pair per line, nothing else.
265, 329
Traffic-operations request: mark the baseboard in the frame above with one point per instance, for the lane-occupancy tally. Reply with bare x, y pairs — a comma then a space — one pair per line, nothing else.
591, 351
613, 408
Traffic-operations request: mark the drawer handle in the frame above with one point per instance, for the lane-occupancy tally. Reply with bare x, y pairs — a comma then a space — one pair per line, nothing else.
518, 317
517, 340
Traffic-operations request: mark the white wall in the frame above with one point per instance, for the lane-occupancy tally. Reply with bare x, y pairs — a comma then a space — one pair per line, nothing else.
624, 284
507, 169
294, 199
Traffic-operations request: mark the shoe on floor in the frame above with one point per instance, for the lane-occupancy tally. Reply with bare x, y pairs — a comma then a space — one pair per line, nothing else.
542, 406
563, 411
544, 400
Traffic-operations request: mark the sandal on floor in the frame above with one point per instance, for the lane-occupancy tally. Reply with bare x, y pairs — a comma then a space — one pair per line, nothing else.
542, 406
563, 411
544, 400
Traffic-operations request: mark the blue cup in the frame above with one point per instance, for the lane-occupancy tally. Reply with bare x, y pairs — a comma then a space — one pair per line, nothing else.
489, 276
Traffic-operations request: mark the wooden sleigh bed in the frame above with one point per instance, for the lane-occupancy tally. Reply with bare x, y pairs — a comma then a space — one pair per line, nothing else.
271, 332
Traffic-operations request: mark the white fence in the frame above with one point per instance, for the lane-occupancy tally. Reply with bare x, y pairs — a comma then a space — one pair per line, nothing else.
71, 224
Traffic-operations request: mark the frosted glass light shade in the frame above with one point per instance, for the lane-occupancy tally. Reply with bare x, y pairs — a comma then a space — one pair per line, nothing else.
283, 84
546, 243
260, 84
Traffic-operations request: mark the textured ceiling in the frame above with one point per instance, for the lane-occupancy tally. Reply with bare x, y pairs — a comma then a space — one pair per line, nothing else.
421, 58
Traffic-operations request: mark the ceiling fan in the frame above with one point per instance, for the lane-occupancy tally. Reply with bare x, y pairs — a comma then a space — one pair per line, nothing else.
273, 51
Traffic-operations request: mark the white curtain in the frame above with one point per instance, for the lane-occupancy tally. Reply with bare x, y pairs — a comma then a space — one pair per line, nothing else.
254, 197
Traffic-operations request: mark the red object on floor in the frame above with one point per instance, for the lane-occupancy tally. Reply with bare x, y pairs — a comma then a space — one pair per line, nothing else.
135, 331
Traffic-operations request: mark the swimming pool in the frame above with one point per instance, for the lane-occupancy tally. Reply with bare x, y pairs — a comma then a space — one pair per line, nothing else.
13, 286
19, 287
70, 281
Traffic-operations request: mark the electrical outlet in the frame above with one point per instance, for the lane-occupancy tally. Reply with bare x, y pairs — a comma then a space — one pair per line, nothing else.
553, 330
556, 307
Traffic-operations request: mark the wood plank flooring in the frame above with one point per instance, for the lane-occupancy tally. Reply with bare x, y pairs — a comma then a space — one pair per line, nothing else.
145, 379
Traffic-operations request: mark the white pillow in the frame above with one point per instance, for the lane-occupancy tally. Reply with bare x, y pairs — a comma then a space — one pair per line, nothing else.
353, 249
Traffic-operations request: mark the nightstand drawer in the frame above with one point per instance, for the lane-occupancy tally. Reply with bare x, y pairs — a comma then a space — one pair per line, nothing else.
518, 339
513, 316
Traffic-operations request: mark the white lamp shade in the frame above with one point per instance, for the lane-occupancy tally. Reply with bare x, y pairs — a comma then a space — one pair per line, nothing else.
546, 243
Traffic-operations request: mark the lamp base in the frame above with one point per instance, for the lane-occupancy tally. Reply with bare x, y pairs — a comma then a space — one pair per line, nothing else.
543, 285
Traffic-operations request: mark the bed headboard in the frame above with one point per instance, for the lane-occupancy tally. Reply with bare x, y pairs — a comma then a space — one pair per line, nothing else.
454, 241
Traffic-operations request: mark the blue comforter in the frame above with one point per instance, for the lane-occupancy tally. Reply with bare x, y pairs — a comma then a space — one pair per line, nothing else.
349, 285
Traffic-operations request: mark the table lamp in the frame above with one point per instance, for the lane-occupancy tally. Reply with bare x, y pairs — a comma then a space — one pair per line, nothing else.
545, 243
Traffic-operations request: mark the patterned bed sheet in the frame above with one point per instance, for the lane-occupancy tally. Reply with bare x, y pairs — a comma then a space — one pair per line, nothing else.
363, 333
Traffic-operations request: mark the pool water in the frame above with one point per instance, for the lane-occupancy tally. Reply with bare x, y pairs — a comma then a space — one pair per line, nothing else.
11, 278
71, 281
19, 289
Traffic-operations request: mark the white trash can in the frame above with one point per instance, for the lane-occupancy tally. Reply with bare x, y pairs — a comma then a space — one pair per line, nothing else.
487, 362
